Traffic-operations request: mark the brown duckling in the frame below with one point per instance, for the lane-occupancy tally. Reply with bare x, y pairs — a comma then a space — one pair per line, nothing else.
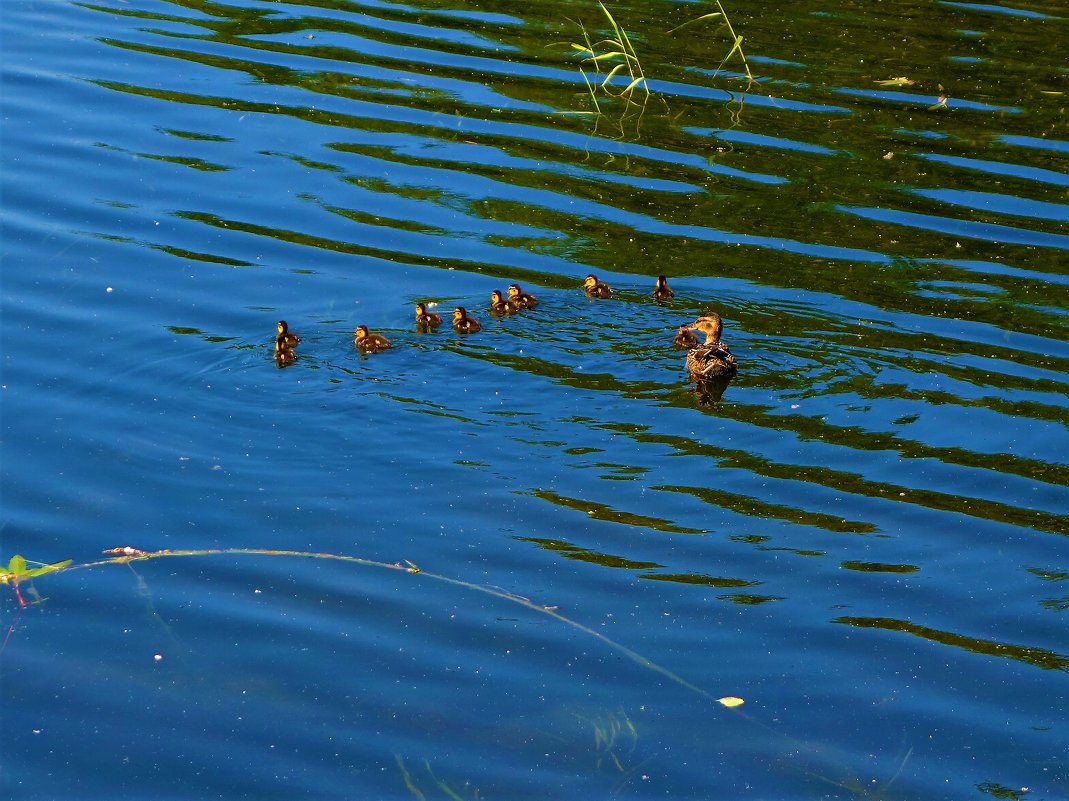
426, 319
662, 291
525, 299
711, 359
368, 342
685, 338
284, 357
286, 339
502, 305
463, 323
595, 288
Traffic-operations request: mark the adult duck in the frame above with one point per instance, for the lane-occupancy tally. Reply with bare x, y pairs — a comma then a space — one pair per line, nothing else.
712, 359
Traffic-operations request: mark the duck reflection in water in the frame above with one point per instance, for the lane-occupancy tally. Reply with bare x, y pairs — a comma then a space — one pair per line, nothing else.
285, 357
710, 391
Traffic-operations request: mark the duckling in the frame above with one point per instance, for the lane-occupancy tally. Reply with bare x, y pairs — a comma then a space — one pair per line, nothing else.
286, 339
426, 319
462, 323
368, 342
662, 291
525, 299
685, 338
500, 305
595, 289
284, 357
712, 359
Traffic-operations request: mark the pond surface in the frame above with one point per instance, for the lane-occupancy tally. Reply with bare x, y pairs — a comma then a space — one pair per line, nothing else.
863, 535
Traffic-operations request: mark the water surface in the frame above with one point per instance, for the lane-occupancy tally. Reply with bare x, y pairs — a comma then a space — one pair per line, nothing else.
863, 535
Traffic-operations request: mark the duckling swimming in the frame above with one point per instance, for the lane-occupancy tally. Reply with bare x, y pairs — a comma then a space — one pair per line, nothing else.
286, 339
463, 323
662, 291
368, 342
500, 305
426, 319
712, 359
284, 357
685, 338
595, 288
525, 299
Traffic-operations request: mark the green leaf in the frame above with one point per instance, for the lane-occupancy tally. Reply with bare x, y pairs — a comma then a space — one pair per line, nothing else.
17, 565
736, 48
45, 569
611, 73
699, 19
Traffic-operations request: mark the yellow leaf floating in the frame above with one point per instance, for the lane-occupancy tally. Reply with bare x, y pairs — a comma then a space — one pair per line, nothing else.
730, 701
903, 81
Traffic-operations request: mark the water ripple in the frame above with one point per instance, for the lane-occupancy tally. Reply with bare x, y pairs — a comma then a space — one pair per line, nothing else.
875, 505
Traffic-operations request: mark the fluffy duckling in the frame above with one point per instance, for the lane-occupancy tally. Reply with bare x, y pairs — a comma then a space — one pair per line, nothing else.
368, 342
286, 339
502, 305
595, 288
685, 338
426, 319
463, 323
525, 300
662, 291
285, 357
712, 359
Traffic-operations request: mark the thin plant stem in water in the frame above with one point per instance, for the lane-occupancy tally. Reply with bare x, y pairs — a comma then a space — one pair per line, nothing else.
618, 51
736, 41
126, 554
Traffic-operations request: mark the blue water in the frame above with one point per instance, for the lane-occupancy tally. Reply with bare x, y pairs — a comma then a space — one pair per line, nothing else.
863, 535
